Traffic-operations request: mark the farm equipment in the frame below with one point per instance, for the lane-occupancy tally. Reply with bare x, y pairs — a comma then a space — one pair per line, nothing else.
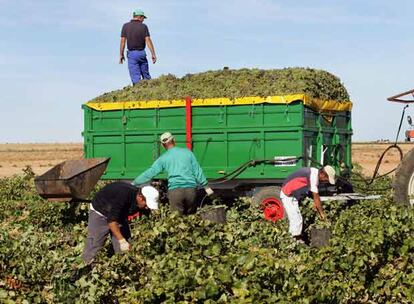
404, 175
409, 134
71, 180
246, 146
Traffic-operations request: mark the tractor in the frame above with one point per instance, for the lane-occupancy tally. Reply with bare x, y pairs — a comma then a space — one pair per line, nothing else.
404, 175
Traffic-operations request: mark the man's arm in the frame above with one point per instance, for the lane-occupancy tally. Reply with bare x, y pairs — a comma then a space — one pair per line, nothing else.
199, 175
147, 175
197, 171
114, 227
150, 45
317, 205
121, 50
123, 243
314, 181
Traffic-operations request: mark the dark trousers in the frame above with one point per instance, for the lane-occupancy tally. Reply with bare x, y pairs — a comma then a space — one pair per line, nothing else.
183, 200
98, 231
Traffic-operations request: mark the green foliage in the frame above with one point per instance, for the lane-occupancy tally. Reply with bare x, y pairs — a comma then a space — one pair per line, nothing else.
186, 260
20, 187
234, 83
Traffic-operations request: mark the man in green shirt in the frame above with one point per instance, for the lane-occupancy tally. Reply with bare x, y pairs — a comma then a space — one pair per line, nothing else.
184, 175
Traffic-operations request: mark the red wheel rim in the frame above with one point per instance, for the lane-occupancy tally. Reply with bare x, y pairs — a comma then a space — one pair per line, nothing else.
273, 209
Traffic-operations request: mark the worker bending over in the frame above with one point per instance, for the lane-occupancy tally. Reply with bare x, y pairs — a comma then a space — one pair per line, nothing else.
109, 212
184, 175
296, 187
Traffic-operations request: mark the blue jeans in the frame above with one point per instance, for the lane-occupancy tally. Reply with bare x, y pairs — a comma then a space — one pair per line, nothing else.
138, 66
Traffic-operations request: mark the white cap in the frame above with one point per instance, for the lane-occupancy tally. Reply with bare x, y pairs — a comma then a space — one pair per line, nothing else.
166, 137
331, 174
151, 196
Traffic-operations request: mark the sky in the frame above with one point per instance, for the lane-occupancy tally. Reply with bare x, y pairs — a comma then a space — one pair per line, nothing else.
56, 55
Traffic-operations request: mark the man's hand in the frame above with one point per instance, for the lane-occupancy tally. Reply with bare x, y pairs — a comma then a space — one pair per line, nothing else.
116, 232
124, 245
318, 206
209, 191
148, 42
321, 214
122, 50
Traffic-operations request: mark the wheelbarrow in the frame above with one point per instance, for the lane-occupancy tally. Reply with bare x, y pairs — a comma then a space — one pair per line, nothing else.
72, 180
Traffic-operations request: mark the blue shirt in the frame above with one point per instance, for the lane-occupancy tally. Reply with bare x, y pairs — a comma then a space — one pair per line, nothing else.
181, 166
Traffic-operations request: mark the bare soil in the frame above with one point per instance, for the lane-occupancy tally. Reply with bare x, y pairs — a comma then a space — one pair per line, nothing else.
41, 157
366, 155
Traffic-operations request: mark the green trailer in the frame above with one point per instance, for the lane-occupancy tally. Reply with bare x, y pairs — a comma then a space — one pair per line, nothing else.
243, 144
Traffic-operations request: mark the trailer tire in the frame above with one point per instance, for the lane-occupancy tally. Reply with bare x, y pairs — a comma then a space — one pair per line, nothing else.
268, 198
404, 180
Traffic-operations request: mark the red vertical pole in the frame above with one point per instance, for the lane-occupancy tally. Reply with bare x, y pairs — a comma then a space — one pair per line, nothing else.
188, 124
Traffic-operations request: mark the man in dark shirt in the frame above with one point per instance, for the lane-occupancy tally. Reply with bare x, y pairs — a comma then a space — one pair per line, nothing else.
109, 212
136, 34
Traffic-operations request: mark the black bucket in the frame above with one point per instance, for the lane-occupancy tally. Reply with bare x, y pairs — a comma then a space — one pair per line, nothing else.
320, 237
216, 214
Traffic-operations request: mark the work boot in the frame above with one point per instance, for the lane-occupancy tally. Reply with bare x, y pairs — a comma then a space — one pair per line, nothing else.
80, 272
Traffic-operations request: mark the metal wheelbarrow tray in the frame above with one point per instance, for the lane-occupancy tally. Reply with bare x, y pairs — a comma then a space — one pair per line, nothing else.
72, 180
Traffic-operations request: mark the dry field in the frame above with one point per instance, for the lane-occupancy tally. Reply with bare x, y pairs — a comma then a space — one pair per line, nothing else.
15, 157
367, 154
41, 157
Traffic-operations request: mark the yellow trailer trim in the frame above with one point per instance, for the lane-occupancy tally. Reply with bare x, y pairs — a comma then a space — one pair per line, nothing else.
316, 104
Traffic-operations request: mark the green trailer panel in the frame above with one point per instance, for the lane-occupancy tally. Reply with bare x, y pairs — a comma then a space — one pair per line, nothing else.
223, 137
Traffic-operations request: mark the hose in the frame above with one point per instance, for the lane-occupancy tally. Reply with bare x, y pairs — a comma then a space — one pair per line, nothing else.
239, 170
393, 146
399, 128
235, 172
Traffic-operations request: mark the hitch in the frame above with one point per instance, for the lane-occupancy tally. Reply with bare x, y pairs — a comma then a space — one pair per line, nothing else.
349, 196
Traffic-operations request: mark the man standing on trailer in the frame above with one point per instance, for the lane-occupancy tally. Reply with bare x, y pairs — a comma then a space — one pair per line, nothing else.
184, 175
136, 35
295, 189
109, 212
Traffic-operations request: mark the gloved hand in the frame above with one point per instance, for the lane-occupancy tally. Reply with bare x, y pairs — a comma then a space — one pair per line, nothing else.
209, 191
124, 245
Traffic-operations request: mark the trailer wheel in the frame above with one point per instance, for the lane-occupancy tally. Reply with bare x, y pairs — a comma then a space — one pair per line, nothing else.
404, 180
268, 198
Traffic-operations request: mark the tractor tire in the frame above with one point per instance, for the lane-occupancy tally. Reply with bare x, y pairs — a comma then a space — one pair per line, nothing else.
270, 197
404, 180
